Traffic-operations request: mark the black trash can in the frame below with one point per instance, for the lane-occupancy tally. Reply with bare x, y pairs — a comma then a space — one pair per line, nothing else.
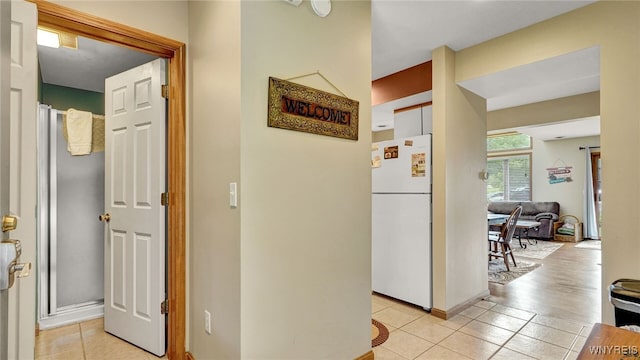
624, 294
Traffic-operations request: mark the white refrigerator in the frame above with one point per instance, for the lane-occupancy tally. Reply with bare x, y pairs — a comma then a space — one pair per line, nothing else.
401, 219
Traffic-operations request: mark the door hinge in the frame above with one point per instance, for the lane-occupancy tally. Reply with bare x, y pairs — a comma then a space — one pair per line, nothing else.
165, 91
164, 307
164, 199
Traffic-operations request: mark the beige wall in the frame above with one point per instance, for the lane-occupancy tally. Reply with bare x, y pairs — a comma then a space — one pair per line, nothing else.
556, 153
169, 17
613, 26
567, 108
215, 103
305, 199
459, 195
304, 243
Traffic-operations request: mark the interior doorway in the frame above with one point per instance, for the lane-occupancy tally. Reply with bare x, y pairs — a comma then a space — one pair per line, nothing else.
61, 18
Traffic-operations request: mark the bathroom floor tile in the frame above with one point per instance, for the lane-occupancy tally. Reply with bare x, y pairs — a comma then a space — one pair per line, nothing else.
86, 341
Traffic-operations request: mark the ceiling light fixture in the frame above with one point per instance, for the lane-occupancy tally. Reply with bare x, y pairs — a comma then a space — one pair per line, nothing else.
48, 38
56, 39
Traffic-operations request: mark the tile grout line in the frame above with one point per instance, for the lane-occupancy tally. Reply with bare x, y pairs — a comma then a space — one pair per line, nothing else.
511, 337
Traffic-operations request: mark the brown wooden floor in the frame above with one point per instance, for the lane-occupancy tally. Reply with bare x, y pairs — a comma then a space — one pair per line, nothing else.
566, 286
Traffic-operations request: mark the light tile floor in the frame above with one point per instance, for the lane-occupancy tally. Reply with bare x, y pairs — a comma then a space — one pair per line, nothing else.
483, 331
85, 341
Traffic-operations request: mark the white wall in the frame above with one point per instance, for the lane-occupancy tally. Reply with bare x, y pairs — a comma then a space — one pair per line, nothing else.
305, 198
556, 153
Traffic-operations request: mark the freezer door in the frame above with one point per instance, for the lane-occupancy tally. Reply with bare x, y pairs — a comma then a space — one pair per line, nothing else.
404, 165
401, 247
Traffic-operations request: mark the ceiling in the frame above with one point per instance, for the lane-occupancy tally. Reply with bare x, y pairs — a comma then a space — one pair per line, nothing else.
403, 35
405, 32
87, 66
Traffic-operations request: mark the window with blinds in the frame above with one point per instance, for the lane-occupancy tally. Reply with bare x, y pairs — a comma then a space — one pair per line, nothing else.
509, 167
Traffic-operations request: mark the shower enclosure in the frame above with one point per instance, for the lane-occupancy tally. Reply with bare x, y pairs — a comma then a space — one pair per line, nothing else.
70, 237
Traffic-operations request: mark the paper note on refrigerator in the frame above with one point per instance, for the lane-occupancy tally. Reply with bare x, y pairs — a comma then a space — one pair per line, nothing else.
391, 152
375, 162
418, 165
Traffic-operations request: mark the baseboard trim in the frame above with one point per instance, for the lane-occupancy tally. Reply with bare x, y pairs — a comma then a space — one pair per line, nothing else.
439, 313
448, 314
368, 356
189, 356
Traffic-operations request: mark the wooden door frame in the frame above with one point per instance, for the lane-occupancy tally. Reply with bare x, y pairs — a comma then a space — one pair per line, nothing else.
62, 18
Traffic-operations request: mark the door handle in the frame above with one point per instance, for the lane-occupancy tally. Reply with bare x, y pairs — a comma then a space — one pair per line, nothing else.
22, 269
9, 223
10, 268
104, 217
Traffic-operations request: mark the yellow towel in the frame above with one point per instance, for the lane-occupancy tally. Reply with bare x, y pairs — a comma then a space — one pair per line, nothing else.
79, 131
97, 141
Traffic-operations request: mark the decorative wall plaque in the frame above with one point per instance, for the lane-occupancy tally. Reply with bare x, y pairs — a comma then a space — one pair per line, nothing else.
296, 107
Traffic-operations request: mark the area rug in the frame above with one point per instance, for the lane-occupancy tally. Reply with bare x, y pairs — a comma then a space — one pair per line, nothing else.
589, 244
498, 271
539, 250
379, 333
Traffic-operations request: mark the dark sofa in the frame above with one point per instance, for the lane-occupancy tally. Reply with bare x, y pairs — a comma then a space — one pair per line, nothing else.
544, 212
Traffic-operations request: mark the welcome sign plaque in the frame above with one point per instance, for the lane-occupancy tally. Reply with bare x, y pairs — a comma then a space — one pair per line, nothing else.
296, 107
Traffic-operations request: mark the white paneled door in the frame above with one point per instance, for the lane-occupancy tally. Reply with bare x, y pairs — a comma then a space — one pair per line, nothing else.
5, 86
135, 114
22, 175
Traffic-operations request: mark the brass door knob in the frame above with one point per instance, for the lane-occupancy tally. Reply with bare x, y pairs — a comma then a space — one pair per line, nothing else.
105, 217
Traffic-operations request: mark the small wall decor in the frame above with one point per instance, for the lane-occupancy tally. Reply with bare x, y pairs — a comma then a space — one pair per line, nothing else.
296, 107
559, 174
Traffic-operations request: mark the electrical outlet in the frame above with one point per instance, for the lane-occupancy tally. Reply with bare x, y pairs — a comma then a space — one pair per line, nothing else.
207, 322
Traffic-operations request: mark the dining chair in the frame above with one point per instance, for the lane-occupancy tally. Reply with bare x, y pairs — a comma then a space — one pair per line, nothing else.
500, 242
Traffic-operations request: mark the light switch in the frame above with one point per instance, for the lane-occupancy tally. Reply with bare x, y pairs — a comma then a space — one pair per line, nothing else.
233, 195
